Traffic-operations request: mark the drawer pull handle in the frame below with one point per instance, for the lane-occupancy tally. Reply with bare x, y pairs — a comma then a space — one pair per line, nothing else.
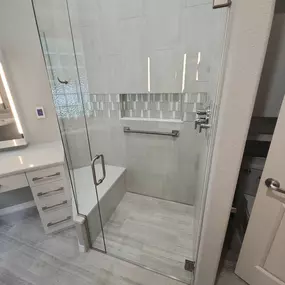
46, 177
50, 192
58, 222
53, 206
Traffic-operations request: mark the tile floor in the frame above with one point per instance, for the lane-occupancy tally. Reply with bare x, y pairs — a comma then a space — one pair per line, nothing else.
152, 232
29, 257
227, 276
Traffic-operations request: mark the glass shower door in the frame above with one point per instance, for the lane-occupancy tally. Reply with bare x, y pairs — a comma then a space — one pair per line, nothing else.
149, 66
63, 57
132, 82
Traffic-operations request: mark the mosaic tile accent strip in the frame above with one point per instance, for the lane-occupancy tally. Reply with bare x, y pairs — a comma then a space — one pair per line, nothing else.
163, 106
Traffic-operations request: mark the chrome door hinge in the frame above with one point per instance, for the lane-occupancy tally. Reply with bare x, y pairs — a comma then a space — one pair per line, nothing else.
221, 3
189, 265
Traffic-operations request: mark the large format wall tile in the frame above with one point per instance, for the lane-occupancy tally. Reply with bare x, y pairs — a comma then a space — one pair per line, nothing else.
127, 70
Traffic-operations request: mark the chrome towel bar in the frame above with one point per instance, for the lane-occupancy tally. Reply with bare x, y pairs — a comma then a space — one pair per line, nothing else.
174, 133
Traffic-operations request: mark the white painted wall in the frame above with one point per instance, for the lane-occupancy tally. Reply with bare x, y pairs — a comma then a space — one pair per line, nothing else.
21, 47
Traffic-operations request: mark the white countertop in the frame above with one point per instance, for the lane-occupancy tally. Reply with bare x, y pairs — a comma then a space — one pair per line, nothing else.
31, 158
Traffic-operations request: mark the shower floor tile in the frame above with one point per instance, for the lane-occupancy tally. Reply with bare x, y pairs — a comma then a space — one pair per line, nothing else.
152, 232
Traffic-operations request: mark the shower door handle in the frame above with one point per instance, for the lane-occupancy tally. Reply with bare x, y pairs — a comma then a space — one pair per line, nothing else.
98, 182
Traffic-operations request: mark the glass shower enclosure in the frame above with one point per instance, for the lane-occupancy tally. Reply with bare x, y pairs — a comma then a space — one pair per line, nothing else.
135, 85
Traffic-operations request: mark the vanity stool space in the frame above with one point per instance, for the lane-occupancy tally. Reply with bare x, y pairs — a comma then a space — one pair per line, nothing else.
42, 168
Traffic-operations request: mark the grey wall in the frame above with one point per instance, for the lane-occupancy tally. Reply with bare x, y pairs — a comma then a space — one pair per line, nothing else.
271, 88
280, 6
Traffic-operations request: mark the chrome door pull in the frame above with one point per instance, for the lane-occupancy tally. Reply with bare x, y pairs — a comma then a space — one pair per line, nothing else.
94, 171
58, 222
54, 206
46, 177
50, 192
274, 185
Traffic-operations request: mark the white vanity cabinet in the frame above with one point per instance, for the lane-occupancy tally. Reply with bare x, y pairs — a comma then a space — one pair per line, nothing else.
52, 197
42, 168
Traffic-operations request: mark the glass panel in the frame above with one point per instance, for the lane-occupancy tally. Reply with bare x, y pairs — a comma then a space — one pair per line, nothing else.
61, 62
147, 66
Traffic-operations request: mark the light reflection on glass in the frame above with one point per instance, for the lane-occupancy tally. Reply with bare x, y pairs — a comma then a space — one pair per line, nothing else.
198, 64
148, 74
184, 72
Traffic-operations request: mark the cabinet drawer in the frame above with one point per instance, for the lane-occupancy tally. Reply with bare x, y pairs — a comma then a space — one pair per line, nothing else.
46, 175
51, 190
54, 205
57, 220
13, 182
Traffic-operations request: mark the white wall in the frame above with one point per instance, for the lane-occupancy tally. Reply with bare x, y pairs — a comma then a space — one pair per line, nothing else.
21, 47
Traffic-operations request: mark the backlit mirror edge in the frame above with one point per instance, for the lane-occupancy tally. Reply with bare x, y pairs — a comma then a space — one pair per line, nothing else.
4, 76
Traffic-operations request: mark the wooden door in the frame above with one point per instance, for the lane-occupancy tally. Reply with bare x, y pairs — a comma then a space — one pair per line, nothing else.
262, 257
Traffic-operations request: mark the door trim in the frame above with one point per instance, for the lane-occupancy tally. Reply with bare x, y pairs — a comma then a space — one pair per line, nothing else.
248, 40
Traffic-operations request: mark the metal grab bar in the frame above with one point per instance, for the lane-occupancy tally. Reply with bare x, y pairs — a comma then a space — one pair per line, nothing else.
94, 171
174, 133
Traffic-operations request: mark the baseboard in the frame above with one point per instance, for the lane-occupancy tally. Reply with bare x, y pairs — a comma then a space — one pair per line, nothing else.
16, 208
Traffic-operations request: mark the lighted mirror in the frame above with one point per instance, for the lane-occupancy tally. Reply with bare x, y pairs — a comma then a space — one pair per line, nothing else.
11, 131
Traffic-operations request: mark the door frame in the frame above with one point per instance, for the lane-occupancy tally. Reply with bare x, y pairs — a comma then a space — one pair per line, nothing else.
248, 34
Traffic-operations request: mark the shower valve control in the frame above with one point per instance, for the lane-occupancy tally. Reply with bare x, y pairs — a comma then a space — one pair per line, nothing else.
203, 112
203, 118
200, 121
204, 126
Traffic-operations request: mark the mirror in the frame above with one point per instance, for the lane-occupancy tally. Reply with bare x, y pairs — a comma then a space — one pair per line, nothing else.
11, 132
